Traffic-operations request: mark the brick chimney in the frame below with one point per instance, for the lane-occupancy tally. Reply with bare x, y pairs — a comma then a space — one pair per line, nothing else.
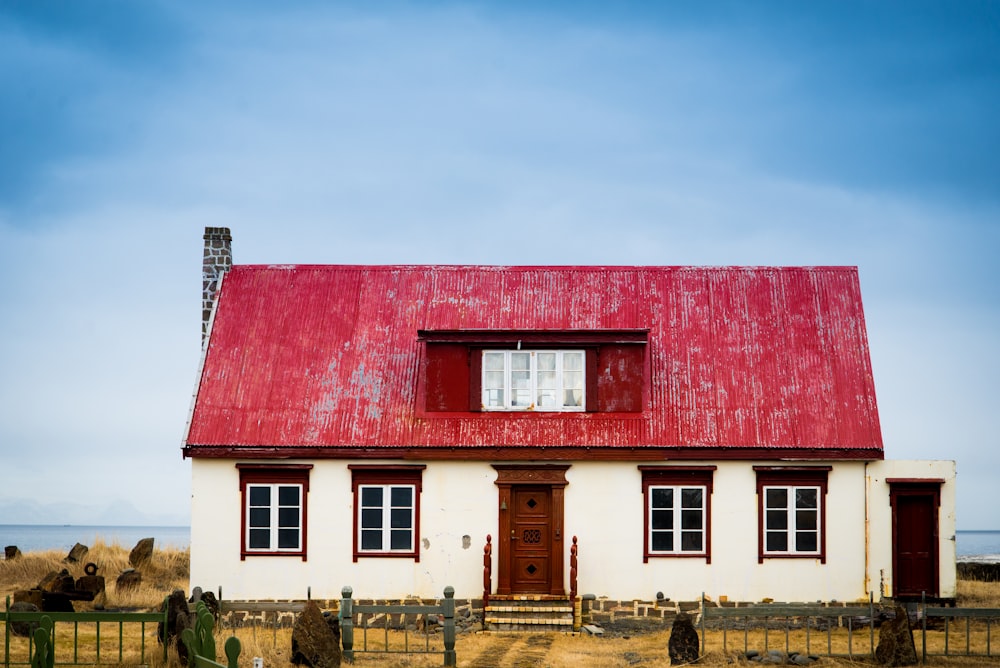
217, 261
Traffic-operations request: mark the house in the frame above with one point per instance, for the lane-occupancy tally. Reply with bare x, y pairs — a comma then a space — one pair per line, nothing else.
683, 429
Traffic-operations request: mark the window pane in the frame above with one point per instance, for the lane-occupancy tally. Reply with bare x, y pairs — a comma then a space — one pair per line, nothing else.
520, 361
371, 540
547, 362
260, 539
547, 398
371, 518
572, 361
691, 541
546, 379
663, 497
260, 496
399, 539
691, 519
805, 541
573, 379
493, 361
260, 517
777, 519
288, 495
521, 398
288, 517
805, 520
691, 497
776, 497
401, 496
573, 398
288, 539
399, 518
371, 496
805, 498
494, 379
662, 519
494, 398
663, 541
777, 542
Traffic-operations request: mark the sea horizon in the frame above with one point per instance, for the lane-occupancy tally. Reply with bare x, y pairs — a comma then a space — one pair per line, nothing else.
41, 537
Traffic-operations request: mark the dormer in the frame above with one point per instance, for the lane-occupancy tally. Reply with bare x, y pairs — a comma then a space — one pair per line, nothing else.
533, 371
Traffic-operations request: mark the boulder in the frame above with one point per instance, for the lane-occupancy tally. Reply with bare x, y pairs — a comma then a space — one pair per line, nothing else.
895, 641
141, 553
91, 583
60, 582
77, 553
23, 629
178, 619
313, 641
56, 602
32, 596
684, 645
129, 580
11, 552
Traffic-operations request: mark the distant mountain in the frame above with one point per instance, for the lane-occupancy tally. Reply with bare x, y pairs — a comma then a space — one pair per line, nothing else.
113, 513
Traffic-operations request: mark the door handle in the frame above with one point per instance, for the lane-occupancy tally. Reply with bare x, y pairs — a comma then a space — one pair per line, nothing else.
512, 536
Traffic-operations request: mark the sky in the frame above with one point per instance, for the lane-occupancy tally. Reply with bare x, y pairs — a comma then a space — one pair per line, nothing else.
682, 133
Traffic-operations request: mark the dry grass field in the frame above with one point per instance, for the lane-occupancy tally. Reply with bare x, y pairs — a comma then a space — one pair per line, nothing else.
168, 570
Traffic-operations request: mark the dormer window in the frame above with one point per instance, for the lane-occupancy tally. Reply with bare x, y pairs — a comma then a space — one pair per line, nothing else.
533, 380
525, 372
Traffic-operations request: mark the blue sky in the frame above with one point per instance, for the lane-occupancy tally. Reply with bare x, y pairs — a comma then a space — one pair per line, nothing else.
690, 133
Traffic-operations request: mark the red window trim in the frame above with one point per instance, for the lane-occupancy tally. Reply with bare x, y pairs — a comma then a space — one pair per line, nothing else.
271, 474
694, 476
391, 474
792, 476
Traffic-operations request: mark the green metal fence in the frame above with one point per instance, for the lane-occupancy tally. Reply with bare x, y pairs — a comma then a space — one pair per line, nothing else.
70, 636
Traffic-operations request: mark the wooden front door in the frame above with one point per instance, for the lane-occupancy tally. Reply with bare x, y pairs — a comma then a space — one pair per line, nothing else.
914, 540
531, 539
530, 528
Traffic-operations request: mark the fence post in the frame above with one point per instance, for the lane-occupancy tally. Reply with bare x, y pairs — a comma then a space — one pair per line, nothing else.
871, 623
704, 649
923, 627
347, 623
448, 604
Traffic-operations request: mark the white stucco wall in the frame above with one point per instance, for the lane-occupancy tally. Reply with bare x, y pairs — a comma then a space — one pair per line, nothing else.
603, 507
880, 569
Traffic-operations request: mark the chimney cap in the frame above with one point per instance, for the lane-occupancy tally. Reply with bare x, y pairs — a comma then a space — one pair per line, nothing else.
218, 233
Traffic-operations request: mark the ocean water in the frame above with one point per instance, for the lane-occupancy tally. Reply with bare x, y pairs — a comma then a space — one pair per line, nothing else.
34, 537
978, 545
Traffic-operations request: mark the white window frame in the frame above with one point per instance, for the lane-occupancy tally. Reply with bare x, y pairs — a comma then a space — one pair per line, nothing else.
274, 526
792, 529
507, 388
677, 528
386, 529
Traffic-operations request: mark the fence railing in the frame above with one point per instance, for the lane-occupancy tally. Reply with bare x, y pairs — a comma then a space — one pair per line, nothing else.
78, 626
349, 610
818, 626
772, 619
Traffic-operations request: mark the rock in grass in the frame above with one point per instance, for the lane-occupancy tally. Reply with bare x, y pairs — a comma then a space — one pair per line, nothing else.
683, 644
314, 643
895, 641
141, 553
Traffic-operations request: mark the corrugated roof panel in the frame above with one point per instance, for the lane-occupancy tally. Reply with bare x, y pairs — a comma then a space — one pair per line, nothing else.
739, 357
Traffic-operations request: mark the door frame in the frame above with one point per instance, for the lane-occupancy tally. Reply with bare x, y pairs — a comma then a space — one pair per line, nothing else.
916, 487
537, 475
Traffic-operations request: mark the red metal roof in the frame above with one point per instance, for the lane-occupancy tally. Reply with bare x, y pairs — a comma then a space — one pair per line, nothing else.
319, 357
